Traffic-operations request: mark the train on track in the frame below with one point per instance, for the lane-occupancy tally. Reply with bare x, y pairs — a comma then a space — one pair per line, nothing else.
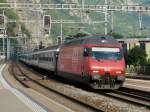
95, 60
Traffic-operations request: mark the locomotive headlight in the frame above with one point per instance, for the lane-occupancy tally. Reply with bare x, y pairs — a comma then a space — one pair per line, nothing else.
118, 72
95, 71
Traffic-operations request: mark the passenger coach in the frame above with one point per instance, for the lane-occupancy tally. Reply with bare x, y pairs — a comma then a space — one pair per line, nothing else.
45, 58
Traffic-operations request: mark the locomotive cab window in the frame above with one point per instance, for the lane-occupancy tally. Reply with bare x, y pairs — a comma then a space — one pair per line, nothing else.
106, 53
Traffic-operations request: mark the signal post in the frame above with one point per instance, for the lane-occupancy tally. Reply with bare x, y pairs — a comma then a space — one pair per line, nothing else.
3, 31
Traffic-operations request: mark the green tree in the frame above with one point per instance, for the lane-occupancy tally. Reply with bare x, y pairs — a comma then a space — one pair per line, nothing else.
136, 56
25, 30
148, 62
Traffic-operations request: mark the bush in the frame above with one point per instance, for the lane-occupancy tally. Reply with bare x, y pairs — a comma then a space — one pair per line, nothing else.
136, 57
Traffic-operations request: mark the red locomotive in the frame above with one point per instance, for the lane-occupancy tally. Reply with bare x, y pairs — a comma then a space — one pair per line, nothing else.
95, 60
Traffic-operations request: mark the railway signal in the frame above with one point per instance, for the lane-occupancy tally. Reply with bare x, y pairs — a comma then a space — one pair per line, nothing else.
47, 24
2, 21
47, 21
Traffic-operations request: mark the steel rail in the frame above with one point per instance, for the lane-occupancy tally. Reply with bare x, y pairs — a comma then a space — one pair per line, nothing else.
133, 97
49, 89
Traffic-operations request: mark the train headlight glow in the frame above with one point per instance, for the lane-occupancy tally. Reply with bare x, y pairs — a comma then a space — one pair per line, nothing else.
118, 72
95, 71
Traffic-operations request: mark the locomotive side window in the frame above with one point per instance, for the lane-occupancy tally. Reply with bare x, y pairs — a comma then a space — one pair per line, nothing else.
87, 52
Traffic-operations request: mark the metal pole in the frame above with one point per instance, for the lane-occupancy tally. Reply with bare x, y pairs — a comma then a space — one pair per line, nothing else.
61, 32
112, 21
83, 2
106, 18
8, 48
140, 23
4, 43
112, 18
15, 5
50, 26
126, 2
4, 35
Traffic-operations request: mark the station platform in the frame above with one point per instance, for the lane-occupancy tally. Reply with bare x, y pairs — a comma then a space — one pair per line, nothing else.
12, 100
10, 103
138, 84
16, 98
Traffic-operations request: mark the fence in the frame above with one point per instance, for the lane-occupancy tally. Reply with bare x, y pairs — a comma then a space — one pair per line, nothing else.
134, 70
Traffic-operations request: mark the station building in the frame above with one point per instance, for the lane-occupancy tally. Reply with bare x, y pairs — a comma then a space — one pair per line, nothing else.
143, 43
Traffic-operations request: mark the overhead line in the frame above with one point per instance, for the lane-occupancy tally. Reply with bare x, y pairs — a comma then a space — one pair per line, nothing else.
31, 6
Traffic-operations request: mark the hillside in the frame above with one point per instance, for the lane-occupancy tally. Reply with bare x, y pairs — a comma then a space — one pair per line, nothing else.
12, 28
125, 23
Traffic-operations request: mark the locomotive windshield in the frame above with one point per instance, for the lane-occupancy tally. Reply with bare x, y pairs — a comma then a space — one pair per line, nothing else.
106, 53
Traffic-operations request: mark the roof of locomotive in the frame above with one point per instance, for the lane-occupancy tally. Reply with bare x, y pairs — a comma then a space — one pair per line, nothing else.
94, 39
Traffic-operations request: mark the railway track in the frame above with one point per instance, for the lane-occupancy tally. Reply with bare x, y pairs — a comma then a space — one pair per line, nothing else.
25, 79
124, 94
133, 96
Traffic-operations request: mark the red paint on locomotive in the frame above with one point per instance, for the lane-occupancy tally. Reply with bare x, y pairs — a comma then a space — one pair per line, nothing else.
98, 61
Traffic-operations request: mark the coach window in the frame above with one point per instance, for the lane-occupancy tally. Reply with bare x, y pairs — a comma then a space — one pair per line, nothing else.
40, 56
43, 57
47, 54
50, 59
32, 57
46, 58
35, 57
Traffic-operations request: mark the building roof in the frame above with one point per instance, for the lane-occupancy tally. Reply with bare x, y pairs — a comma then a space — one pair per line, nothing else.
131, 40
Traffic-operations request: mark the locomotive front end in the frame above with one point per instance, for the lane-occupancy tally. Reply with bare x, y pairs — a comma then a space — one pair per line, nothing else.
107, 67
